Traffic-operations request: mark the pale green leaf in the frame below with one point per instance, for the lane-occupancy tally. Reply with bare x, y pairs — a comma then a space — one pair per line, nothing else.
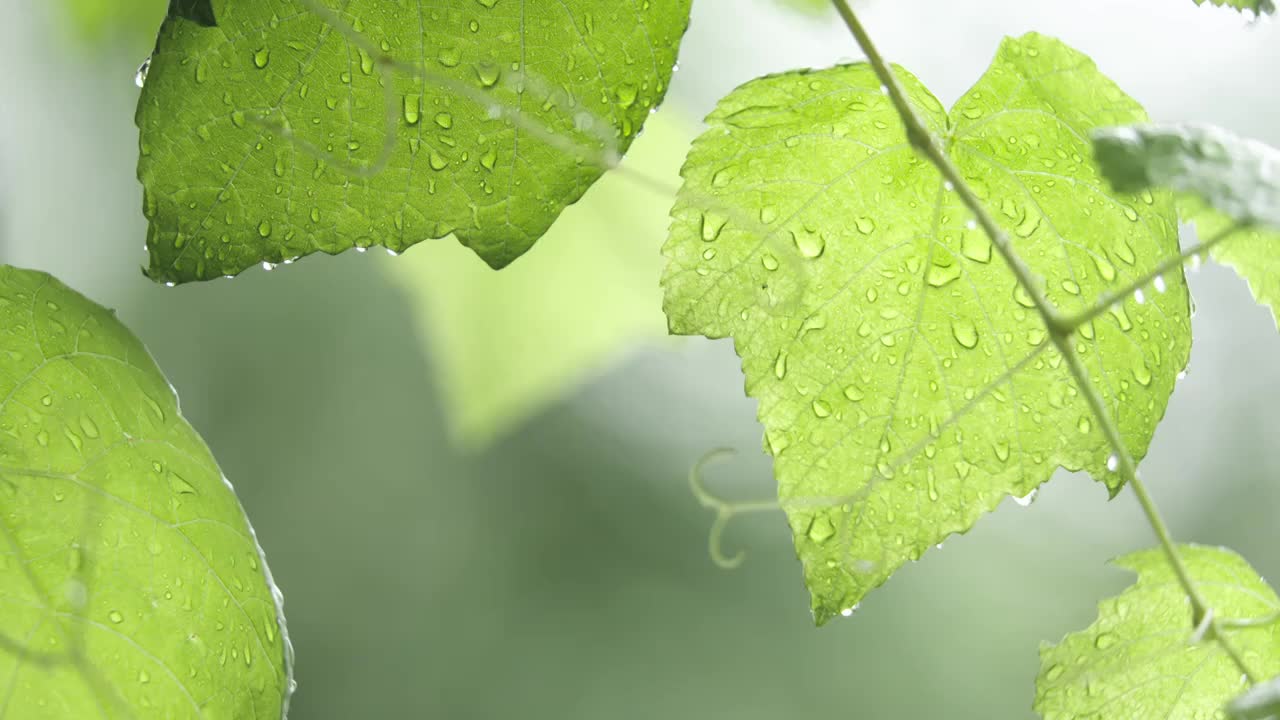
282, 131
1258, 7
1137, 660
505, 345
131, 581
1226, 181
904, 382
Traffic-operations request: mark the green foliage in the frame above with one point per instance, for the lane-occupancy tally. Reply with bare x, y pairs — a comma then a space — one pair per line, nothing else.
1137, 659
1231, 183
905, 384
97, 21
131, 580
1259, 7
289, 129
586, 295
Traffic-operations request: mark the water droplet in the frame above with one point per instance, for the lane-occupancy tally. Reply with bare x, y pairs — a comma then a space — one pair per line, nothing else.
1139, 296
115, 617
1027, 499
1104, 640
780, 365
849, 611
965, 333
810, 243
712, 225
1158, 284
865, 225
1112, 463
821, 529
262, 58
140, 77
412, 109
821, 409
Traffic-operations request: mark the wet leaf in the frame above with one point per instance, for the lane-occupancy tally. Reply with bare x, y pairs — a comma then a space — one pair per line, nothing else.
1137, 660
284, 131
132, 583
1225, 182
905, 384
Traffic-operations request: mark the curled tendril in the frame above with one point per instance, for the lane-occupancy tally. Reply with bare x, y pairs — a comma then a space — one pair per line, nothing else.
724, 509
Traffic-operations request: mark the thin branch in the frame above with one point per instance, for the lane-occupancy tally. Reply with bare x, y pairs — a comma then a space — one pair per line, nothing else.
924, 142
1072, 322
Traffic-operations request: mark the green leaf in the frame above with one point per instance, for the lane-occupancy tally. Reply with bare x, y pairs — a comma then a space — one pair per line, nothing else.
549, 322
904, 382
283, 131
131, 21
1137, 659
131, 581
1258, 7
1226, 180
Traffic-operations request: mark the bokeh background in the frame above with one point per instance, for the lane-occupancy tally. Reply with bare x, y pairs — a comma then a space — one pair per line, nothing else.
561, 571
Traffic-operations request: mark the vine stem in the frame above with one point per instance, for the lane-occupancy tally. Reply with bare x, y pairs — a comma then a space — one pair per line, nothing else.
1061, 329
1072, 322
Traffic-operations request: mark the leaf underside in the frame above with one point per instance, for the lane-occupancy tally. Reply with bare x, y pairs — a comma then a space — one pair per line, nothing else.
281, 131
1222, 180
1136, 659
904, 382
131, 582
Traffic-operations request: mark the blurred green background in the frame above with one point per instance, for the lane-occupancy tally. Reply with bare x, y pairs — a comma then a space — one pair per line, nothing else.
563, 572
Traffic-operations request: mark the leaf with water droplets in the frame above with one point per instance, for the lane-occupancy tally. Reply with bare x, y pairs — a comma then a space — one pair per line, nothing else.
557, 317
1138, 659
940, 391
132, 583
289, 128
1225, 182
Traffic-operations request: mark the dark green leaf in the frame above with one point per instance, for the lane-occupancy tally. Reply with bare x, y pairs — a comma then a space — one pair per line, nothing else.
285, 131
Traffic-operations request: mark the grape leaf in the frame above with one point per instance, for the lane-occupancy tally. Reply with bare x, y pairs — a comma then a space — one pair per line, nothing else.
283, 130
1224, 180
1136, 660
582, 298
1258, 7
131, 581
904, 382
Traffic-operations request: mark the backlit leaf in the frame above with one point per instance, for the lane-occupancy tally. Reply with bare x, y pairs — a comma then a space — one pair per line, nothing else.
1225, 180
904, 382
131, 581
1137, 659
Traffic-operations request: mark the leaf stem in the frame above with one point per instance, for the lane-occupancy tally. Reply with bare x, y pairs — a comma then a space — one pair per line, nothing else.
1060, 330
924, 143
1071, 322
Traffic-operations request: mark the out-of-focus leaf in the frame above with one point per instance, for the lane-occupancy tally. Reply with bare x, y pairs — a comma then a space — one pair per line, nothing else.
1258, 7
128, 21
1136, 660
131, 581
284, 131
905, 384
1224, 180
505, 345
